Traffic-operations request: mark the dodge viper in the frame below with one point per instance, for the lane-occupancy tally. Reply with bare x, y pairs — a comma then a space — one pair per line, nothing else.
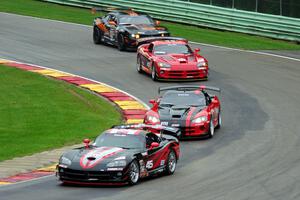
122, 28
170, 58
121, 155
188, 107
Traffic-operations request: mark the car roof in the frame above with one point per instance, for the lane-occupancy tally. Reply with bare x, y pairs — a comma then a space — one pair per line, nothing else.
162, 42
198, 92
127, 131
127, 12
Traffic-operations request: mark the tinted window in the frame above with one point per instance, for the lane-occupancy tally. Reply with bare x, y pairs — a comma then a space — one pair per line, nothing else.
172, 49
182, 98
150, 137
121, 140
135, 20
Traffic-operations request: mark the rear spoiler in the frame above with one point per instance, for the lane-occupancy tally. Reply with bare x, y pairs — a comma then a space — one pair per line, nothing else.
151, 39
162, 129
189, 88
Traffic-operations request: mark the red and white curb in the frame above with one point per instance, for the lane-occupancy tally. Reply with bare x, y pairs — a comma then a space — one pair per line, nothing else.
132, 109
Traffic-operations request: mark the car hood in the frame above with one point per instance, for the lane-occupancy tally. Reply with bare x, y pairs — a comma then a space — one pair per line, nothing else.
178, 116
97, 158
178, 59
144, 29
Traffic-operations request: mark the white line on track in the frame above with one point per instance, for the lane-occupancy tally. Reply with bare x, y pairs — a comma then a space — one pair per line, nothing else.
210, 45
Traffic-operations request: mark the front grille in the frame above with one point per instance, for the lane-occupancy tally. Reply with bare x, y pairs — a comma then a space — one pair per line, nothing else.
86, 175
188, 130
194, 73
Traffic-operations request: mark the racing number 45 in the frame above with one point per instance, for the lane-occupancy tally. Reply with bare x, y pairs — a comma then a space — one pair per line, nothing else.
149, 164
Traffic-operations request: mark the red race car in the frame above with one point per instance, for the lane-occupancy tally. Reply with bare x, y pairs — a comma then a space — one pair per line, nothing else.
189, 108
170, 58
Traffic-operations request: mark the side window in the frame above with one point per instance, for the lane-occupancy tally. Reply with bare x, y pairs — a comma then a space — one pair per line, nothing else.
114, 19
106, 18
150, 47
151, 137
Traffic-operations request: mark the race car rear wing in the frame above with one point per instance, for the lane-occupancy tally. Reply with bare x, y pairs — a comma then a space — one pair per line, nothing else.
189, 88
157, 128
152, 39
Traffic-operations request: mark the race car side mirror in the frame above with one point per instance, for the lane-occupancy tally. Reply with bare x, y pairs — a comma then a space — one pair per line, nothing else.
152, 101
154, 145
86, 143
112, 23
215, 101
157, 22
197, 50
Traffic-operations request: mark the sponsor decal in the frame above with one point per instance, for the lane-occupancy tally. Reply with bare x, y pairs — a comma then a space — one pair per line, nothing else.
162, 162
95, 156
164, 123
175, 125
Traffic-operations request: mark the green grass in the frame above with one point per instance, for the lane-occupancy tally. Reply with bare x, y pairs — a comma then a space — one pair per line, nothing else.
84, 16
38, 113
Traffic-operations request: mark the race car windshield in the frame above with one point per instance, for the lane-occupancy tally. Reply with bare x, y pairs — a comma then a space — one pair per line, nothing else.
120, 140
172, 49
183, 99
136, 20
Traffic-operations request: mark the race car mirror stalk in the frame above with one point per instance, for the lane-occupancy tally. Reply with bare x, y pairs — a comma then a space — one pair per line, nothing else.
154, 145
152, 101
86, 143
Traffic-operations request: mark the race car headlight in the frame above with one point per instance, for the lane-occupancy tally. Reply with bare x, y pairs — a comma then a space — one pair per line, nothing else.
153, 119
164, 65
65, 161
117, 163
202, 64
136, 36
200, 119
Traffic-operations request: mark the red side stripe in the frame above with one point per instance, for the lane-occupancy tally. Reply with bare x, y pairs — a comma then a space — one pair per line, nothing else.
189, 116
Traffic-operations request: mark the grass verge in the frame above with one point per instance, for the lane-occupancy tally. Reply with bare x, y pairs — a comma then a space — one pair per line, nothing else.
38, 113
84, 16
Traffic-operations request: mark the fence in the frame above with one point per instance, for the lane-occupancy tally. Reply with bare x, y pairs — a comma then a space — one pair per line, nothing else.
289, 8
274, 26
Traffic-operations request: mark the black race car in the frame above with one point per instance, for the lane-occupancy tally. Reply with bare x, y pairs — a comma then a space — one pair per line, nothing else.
121, 155
124, 28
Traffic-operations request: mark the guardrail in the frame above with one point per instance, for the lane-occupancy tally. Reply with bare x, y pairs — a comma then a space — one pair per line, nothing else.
273, 26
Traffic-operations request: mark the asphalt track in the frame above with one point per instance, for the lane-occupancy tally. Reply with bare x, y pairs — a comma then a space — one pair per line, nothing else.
255, 155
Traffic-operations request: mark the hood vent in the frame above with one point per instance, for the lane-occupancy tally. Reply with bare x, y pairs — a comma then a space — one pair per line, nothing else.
176, 116
182, 60
91, 158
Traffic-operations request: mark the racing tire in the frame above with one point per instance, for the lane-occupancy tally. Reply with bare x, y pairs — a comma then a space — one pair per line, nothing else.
219, 120
134, 173
139, 64
171, 163
153, 73
97, 35
121, 43
211, 130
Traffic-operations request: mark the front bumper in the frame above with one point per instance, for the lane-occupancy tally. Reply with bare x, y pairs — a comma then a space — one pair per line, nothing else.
194, 131
67, 175
182, 74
